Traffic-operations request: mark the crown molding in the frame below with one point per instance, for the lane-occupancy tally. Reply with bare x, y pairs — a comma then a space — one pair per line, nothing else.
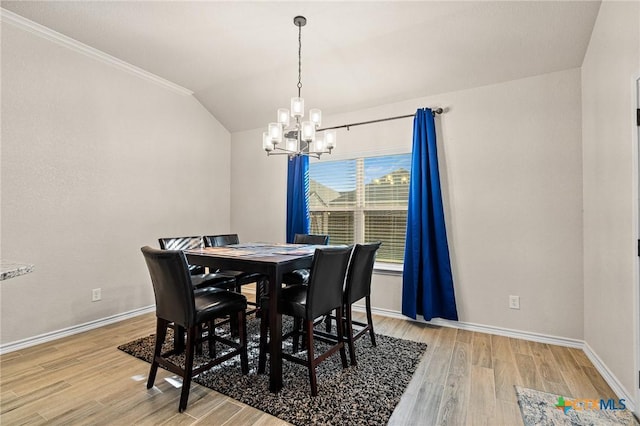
61, 39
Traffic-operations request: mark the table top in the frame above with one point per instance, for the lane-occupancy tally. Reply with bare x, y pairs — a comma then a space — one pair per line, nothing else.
260, 252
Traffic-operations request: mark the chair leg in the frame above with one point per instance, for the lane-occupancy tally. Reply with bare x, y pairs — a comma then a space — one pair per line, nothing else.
297, 324
188, 368
260, 291
242, 334
370, 321
264, 346
327, 323
161, 334
211, 338
340, 333
233, 325
178, 338
349, 333
199, 332
311, 365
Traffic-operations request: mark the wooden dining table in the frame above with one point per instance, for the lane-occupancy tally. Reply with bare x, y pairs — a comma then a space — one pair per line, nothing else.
272, 260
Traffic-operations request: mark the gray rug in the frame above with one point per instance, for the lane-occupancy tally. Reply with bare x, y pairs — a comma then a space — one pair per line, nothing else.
363, 395
545, 409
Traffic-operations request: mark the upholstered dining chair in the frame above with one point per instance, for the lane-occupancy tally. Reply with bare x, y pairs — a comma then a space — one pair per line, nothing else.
320, 297
357, 287
177, 302
199, 277
241, 277
221, 240
301, 276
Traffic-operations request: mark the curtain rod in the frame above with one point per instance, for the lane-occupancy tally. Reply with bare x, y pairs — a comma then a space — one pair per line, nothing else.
435, 111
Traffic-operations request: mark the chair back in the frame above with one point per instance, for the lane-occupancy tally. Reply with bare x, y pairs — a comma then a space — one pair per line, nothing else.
324, 292
360, 270
171, 285
221, 240
319, 240
184, 243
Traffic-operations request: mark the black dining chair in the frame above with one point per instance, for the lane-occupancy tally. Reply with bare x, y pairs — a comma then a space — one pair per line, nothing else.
358, 286
176, 302
301, 276
221, 240
320, 297
199, 276
241, 278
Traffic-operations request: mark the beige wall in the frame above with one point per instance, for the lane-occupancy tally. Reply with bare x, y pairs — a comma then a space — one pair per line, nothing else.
96, 162
512, 174
611, 65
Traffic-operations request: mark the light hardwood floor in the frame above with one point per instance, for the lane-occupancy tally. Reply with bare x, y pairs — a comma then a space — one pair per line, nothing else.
464, 378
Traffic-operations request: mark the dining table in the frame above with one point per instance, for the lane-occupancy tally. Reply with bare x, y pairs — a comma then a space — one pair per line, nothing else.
270, 259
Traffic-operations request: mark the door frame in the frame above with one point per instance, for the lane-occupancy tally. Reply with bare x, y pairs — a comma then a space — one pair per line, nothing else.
636, 207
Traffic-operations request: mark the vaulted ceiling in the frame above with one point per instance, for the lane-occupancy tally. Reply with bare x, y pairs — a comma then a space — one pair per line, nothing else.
240, 58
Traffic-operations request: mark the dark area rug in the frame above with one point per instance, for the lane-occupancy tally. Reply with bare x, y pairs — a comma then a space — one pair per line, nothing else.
363, 395
541, 409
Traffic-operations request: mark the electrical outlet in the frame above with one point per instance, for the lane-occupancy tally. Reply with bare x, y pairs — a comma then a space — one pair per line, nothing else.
96, 294
514, 302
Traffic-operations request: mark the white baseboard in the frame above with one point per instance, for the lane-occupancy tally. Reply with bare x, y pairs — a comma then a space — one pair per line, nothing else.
499, 331
54, 335
610, 378
602, 368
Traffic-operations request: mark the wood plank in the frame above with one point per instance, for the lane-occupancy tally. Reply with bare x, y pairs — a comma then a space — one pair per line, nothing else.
34, 396
501, 348
550, 374
545, 362
508, 413
455, 398
519, 346
268, 420
180, 419
245, 417
528, 372
77, 413
602, 387
481, 355
23, 416
579, 384
506, 376
440, 360
421, 407
222, 413
581, 358
464, 336
482, 399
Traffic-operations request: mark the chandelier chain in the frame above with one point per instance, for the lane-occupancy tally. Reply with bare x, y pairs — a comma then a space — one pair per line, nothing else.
299, 58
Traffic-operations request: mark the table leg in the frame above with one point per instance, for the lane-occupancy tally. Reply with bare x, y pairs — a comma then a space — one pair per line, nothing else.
275, 334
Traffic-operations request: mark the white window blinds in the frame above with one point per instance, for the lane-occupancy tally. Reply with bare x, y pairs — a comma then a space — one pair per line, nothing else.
362, 200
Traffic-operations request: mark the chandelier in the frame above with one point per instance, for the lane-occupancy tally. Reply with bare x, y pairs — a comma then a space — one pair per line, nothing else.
292, 136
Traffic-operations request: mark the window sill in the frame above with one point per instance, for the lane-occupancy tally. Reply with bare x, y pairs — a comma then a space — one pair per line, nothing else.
388, 268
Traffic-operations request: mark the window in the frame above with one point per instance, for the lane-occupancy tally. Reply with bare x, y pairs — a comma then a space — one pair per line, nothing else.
362, 200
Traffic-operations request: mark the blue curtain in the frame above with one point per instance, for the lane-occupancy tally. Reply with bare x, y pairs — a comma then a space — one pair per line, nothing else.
297, 203
427, 283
